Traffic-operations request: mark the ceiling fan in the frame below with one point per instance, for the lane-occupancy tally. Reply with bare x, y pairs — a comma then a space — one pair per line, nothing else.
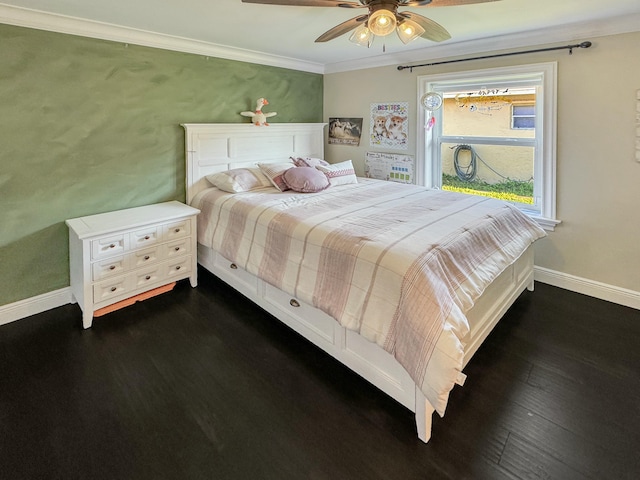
382, 18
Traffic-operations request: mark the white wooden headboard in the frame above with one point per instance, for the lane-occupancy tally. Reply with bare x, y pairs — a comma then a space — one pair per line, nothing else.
214, 147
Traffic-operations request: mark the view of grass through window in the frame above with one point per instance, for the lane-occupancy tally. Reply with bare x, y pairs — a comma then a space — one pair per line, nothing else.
509, 190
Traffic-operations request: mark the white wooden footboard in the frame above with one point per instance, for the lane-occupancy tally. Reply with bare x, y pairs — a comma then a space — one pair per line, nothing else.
364, 357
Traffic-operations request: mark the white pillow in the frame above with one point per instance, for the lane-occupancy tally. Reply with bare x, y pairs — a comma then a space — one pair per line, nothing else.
339, 173
274, 171
239, 180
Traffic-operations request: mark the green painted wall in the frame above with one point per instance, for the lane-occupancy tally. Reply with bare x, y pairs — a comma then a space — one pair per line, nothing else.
88, 126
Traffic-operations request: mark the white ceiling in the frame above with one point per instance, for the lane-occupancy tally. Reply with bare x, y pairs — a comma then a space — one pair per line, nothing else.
284, 35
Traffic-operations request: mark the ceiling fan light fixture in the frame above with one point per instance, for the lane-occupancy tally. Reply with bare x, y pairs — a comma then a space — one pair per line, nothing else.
362, 36
409, 30
382, 22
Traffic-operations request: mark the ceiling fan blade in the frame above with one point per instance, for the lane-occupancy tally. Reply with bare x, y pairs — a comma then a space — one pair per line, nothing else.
442, 3
307, 3
341, 29
432, 31
415, 3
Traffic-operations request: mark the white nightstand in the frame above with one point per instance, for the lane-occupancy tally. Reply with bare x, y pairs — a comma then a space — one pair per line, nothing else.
117, 255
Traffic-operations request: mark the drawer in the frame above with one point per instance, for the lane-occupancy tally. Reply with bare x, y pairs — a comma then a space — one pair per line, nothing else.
179, 267
145, 237
109, 289
144, 257
108, 246
306, 316
179, 229
384, 365
148, 276
234, 274
177, 248
108, 268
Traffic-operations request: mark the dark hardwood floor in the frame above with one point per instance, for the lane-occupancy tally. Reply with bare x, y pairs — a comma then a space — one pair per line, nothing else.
201, 384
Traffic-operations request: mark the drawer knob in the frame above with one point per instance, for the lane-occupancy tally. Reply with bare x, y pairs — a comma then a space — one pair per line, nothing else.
113, 245
294, 303
147, 237
146, 257
113, 289
178, 267
112, 267
177, 230
233, 266
148, 277
177, 249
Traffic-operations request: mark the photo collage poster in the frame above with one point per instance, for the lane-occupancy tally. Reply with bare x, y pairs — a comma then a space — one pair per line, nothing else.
389, 125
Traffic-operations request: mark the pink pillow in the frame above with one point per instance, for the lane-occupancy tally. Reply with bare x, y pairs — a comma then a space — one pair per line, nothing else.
305, 180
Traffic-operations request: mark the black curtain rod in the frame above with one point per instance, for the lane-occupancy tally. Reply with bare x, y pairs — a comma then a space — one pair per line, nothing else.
565, 47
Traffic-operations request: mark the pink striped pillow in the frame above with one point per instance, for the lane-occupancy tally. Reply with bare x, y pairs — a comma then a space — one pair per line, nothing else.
274, 172
309, 162
339, 173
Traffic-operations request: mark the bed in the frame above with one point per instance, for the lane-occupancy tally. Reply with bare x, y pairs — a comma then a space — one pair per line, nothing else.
402, 294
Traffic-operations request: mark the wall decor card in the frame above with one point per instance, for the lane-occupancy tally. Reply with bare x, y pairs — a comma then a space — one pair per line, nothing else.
389, 166
345, 131
638, 126
389, 126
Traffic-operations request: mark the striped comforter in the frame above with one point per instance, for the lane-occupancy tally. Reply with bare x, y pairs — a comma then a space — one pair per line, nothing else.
399, 264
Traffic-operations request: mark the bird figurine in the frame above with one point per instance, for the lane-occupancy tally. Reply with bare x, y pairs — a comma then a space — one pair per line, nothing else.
259, 117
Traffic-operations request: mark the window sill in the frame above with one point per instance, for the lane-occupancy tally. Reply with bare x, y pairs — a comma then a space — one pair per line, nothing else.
547, 224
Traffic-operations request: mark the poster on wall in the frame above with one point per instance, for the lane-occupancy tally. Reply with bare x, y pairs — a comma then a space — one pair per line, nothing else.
345, 131
638, 126
394, 167
388, 127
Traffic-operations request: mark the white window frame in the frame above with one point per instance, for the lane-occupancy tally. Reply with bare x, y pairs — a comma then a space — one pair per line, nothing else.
428, 165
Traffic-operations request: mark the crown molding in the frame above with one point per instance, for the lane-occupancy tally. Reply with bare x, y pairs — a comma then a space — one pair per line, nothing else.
550, 35
40, 20
23, 17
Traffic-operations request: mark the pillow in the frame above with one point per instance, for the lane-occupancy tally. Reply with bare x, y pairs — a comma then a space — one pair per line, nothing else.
309, 162
305, 180
239, 180
274, 172
339, 173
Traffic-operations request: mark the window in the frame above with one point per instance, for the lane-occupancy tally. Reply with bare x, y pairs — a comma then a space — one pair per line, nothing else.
494, 135
523, 116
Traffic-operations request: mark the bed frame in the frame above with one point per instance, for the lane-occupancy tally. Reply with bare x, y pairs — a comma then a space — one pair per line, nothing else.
215, 147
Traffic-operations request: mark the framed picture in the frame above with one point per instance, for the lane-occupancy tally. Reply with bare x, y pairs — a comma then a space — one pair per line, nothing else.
388, 128
345, 131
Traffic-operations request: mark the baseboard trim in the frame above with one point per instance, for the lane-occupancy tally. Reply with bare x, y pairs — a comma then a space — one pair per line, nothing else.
31, 306
602, 291
622, 296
